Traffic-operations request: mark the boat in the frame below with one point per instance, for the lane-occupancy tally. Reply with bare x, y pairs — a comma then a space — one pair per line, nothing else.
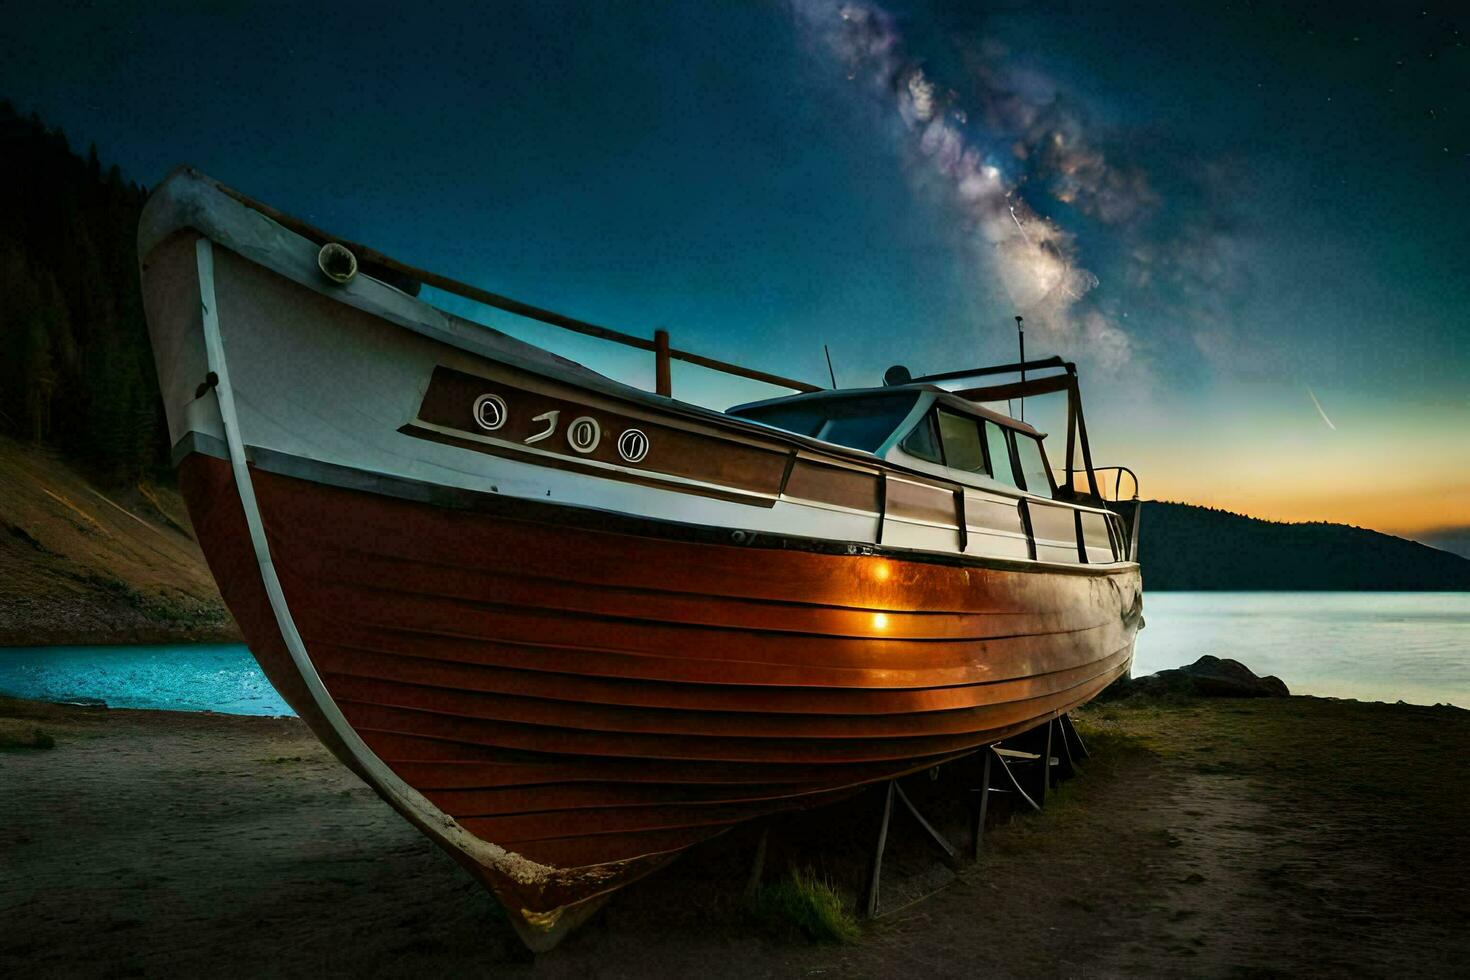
570, 628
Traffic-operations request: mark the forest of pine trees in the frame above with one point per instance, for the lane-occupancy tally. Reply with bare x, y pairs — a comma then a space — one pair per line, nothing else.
76, 372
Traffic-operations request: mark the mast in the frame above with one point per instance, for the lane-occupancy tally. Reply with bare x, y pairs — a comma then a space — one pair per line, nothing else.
1021, 336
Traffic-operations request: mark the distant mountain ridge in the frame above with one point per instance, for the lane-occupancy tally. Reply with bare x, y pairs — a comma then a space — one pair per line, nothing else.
1455, 540
1184, 547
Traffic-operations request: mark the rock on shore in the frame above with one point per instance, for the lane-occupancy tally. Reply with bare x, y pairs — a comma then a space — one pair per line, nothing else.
1207, 677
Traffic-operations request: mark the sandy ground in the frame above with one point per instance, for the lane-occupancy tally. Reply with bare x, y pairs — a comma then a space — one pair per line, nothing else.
1297, 836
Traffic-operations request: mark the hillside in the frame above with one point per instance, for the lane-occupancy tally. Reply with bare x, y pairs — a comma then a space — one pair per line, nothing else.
78, 565
1183, 547
92, 549
76, 372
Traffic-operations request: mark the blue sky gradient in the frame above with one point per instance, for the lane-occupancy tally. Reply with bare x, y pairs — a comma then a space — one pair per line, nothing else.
1222, 213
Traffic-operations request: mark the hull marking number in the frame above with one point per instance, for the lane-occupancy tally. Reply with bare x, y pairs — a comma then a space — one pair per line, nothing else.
584, 434
633, 445
550, 419
490, 412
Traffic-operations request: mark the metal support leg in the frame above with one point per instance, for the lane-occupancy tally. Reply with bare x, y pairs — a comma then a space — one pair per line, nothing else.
977, 827
1045, 781
1066, 765
1079, 747
1070, 750
877, 870
1016, 786
952, 856
758, 867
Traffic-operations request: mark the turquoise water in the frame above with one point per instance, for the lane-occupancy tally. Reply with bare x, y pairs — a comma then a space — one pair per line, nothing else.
189, 677
1373, 646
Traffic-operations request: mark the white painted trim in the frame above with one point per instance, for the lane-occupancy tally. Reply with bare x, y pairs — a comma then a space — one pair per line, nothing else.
403, 796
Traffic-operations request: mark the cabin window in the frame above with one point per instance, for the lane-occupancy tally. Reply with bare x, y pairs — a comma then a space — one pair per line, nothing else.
997, 441
803, 419
1033, 465
961, 441
1097, 543
923, 442
863, 422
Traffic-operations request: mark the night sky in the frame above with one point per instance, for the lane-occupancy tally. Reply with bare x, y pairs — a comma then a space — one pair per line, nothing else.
1249, 226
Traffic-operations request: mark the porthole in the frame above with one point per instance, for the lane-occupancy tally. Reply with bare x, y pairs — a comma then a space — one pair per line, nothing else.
490, 412
584, 434
633, 445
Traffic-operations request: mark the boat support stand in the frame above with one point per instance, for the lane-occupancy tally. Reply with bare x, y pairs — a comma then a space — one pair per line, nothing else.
1006, 768
951, 854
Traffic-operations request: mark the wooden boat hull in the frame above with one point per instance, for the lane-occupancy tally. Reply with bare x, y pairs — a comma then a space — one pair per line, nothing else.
597, 701
568, 666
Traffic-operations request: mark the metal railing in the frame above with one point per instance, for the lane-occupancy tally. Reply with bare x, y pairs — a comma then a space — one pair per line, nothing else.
1081, 487
658, 345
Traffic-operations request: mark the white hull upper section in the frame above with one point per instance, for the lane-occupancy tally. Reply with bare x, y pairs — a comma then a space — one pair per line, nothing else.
332, 373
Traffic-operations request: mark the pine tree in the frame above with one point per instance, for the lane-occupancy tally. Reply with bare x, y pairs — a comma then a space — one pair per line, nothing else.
75, 366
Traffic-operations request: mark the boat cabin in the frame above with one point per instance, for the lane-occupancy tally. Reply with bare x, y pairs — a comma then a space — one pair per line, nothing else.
921, 427
962, 477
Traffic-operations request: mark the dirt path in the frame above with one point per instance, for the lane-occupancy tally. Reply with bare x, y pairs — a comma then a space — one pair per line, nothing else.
1222, 838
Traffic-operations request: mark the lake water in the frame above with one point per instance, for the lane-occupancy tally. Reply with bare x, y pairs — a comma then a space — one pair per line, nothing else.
1372, 646
188, 677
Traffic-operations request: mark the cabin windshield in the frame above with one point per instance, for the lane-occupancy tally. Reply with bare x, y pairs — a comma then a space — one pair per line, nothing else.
860, 422
1000, 453
974, 445
1034, 471
960, 439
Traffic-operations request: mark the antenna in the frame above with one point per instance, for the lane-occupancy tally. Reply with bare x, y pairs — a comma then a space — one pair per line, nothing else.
830, 372
1021, 335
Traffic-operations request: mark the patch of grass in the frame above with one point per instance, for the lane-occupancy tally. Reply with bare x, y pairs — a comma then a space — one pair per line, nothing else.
34, 739
804, 905
1111, 738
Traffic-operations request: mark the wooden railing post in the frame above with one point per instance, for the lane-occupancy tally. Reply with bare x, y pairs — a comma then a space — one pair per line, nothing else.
663, 383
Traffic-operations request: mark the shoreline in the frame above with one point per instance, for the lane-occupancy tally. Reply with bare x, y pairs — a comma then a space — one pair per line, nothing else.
100, 701
1291, 834
96, 616
162, 640
102, 705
